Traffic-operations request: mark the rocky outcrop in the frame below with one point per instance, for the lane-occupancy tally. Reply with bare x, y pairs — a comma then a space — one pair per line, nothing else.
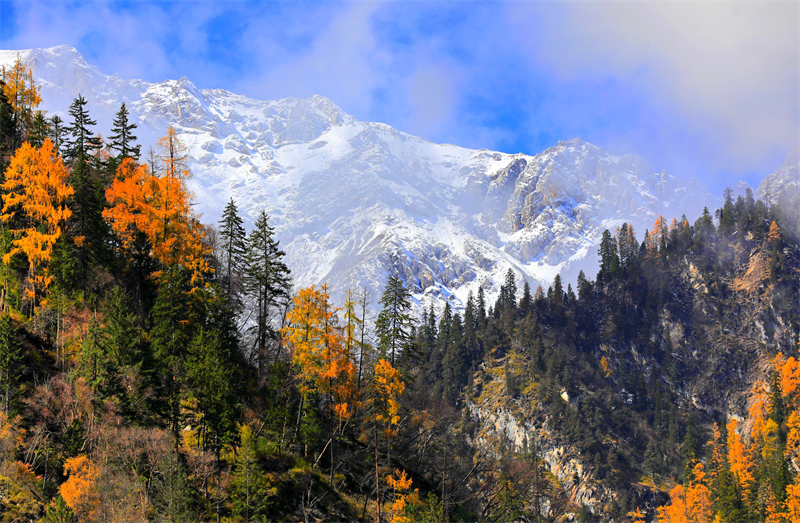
574, 476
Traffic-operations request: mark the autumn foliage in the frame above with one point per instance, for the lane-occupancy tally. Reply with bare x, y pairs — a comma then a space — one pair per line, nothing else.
319, 350
21, 90
80, 491
35, 197
157, 205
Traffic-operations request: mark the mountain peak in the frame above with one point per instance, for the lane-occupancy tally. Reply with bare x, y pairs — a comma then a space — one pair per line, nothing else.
785, 182
352, 202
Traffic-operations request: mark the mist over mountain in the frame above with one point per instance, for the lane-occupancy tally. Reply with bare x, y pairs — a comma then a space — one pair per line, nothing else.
354, 202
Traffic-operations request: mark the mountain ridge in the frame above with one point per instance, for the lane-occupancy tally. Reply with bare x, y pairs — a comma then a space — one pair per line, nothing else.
354, 202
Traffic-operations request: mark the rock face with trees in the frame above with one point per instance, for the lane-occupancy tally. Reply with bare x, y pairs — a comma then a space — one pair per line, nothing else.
154, 368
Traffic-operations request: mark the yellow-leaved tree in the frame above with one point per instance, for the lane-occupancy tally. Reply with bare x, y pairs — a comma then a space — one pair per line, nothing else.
404, 497
315, 339
739, 458
158, 205
80, 490
321, 356
386, 388
22, 93
35, 197
690, 504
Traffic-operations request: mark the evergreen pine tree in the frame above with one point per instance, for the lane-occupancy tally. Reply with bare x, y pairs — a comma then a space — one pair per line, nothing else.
609, 259
57, 132
393, 327
126, 347
170, 337
122, 139
88, 228
39, 130
526, 302
83, 142
267, 280
481, 307
508, 292
8, 128
234, 253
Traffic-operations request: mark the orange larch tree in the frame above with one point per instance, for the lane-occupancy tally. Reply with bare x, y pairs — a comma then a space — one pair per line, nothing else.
400, 483
676, 511
658, 237
320, 354
318, 350
386, 388
690, 504
789, 374
35, 197
22, 92
80, 490
739, 458
792, 449
159, 206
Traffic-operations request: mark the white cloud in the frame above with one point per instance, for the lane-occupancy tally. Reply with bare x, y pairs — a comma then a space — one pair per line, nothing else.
342, 61
729, 70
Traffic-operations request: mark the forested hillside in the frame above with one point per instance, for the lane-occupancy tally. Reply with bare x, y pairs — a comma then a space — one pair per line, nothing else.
157, 368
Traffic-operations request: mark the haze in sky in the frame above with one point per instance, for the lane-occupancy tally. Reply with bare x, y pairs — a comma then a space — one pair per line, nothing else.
699, 89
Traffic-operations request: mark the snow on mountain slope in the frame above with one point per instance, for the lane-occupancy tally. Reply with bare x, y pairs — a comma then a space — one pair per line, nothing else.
354, 202
783, 183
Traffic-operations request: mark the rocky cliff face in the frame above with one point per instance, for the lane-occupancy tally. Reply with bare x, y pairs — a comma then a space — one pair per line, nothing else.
711, 340
784, 182
575, 477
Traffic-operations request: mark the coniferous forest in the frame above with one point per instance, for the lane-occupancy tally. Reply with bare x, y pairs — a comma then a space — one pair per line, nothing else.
154, 368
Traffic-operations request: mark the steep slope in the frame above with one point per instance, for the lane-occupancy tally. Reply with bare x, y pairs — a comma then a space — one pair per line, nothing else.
354, 201
784, 182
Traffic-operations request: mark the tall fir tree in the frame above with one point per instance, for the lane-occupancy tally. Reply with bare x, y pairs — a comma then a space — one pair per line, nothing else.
57, 133
171, 335
40, 129
83, 142
233, 248
122, 138
88, 229
267, 280
393, 327
8, 129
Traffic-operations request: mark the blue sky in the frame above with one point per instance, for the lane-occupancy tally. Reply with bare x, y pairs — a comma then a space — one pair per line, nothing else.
698, 89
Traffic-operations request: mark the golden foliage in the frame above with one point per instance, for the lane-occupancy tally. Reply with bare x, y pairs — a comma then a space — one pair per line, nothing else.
758, 413
739, 459
80, 489
400, 483
319, 350
11, 436
20, 500
388, 386
692, 504
160, 207
793, 436
676, 511
792, 503
604, 367
35, 199
21, 91
774, 232
789, 374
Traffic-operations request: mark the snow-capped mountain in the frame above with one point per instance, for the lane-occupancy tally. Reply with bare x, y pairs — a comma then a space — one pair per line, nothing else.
354, 202
783, 183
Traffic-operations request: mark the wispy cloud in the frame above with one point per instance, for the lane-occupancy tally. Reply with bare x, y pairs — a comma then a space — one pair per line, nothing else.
724, 74
698, 88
